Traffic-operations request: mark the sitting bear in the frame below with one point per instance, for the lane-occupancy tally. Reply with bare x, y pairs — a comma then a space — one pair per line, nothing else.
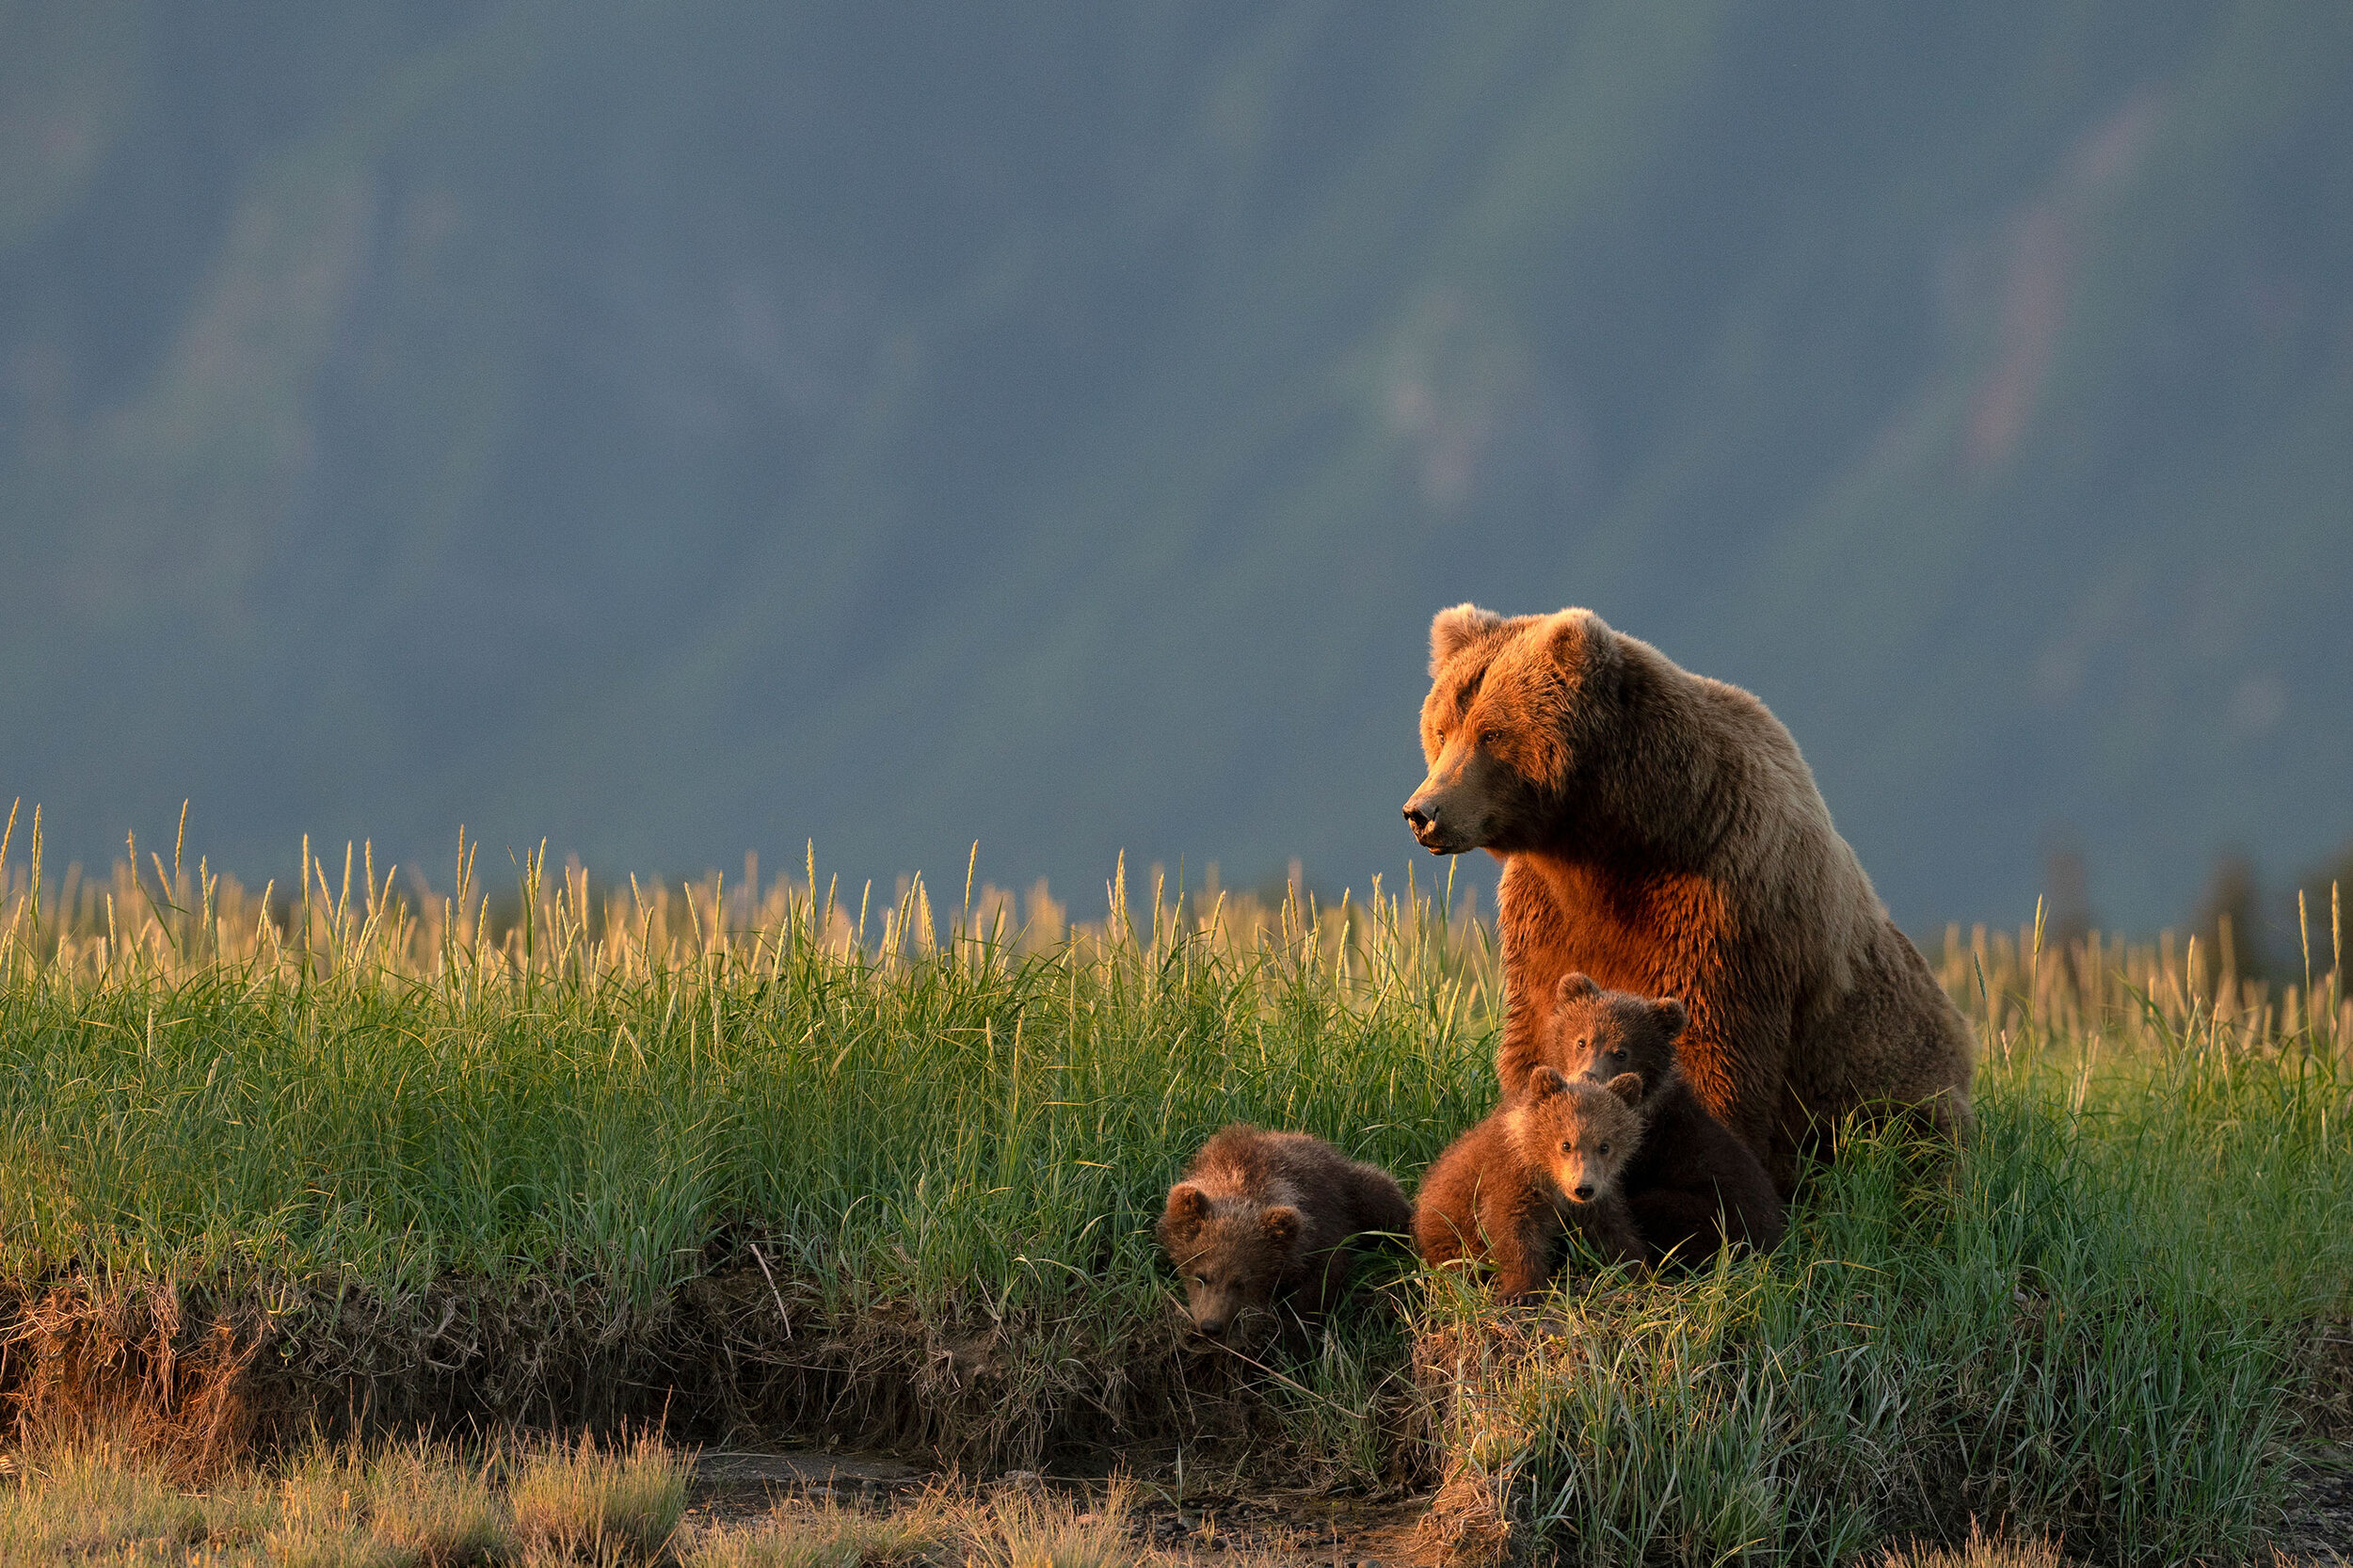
1691, 1186
1542, 1166
1264, 1214
1661, 832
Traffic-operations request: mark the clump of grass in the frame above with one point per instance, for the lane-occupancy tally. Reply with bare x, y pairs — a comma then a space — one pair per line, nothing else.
92, 1494
428, 1506
1008, 1527
619, 1501
833, 1536
1979, 1551
1025, 1528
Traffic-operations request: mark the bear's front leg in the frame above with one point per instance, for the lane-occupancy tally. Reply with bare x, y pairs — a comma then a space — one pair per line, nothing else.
1325, 1280
1672, 1219
1523, 1243
1607, 1227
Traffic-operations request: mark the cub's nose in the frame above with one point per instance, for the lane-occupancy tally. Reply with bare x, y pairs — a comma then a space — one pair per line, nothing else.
1585, 1192
1213, 1327
1417, 817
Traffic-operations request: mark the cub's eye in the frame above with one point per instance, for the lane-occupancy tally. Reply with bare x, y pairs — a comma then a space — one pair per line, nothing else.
1618, 1055
1568, 1148
1604, 1148
1202, 1280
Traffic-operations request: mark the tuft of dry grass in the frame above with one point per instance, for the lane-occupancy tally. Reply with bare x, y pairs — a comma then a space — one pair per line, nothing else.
1981, 1551
93, 1492
603, 1503
834, 1536
1011, 1526
426, 1503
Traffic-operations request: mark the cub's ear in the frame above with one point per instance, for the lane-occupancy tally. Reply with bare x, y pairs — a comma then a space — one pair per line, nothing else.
1575, 986
1282, 1224
1188, 1209
1545, 1083
1670, 1012
1452, 630
1627, 1087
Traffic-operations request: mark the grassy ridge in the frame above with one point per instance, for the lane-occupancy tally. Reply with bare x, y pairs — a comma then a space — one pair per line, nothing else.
2092, 1328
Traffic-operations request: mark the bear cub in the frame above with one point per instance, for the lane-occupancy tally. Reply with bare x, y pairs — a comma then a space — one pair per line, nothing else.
1540, 1166
1265, 1215
1692, 1186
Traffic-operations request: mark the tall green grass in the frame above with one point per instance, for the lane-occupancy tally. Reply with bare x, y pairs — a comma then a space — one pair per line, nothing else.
2092, 1324
913, 1116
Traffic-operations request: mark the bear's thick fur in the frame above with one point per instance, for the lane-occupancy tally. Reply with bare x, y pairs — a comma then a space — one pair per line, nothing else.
1265, 1215
1542, 1165
1660, 831
1693, 1185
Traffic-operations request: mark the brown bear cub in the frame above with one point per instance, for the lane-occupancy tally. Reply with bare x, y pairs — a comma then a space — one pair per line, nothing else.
1692, 1186
1261, 1215
1542, 1166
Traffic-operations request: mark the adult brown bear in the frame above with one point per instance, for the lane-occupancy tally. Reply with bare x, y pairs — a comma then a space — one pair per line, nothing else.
1660, 831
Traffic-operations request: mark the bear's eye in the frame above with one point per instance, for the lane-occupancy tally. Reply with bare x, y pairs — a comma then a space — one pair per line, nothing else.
1604, 1148
1491, 737
1202, 1280
1618, 1054
1568, 1148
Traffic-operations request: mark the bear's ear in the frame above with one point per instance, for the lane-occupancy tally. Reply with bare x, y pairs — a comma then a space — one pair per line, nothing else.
1627, 1087
1452, 630
1282, 1224
1188, 1209
1576, 638
1670, 1012
1576, 987
1545, 1083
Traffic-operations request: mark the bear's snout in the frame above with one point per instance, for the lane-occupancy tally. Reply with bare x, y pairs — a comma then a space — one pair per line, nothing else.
1583, 1192
1421, 815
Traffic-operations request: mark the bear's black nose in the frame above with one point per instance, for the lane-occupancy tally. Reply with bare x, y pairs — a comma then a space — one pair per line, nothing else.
1585, 1193
1417, 817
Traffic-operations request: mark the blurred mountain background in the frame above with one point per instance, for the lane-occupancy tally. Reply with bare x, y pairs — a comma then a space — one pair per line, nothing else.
681, 429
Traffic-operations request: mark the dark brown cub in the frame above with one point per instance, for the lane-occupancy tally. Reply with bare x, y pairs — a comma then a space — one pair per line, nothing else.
1692, 1186
1262, 1217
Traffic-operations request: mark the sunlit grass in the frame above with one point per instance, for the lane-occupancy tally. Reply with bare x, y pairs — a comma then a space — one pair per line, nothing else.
2090, 1328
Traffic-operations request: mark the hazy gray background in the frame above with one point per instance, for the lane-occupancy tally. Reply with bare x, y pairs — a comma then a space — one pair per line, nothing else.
681, 429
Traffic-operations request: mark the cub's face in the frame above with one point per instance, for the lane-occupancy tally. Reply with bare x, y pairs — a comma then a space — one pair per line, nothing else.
1598, 1034
1581, 1133
1495, 725
1229, 1252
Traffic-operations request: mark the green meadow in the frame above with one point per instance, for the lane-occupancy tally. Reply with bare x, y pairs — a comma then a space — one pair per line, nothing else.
372, 1159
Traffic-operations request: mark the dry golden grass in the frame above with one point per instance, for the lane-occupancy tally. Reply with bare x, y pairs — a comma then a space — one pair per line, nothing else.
600, 1502
1982, 1551
420, 1505
1007, 1527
